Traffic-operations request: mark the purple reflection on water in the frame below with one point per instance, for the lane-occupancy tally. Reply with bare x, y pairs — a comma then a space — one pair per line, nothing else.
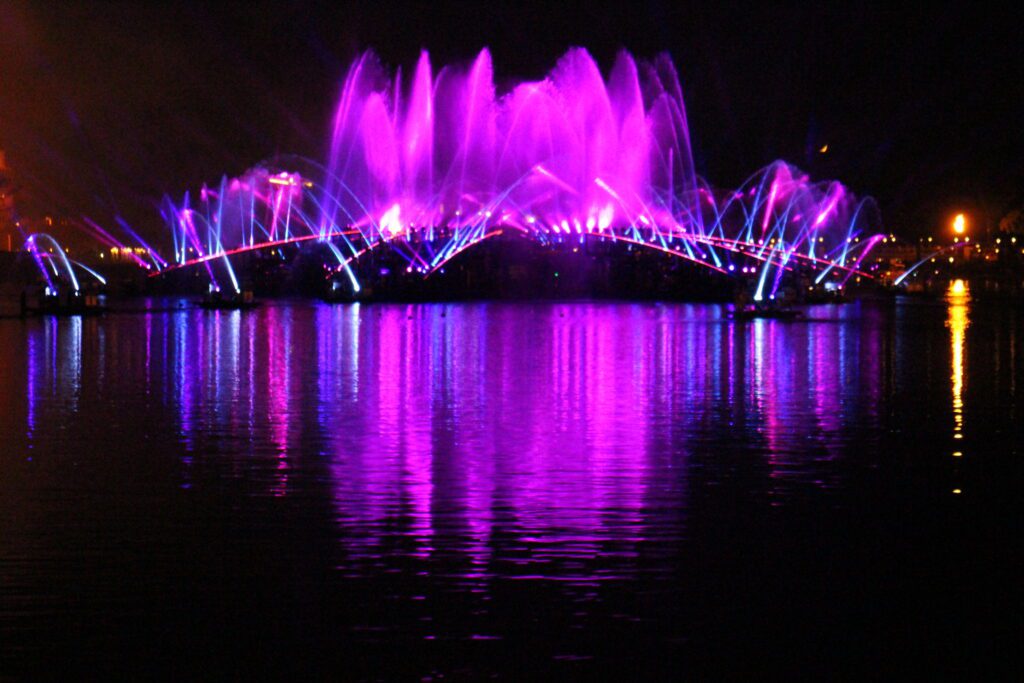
440, 429
568, 478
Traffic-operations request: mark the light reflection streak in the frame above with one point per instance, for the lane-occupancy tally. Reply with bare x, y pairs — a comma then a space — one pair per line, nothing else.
31, 385
824, 373
53, 373
279, 380
958, 298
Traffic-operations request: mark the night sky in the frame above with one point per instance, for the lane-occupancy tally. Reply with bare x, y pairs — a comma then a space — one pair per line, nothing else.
106, 106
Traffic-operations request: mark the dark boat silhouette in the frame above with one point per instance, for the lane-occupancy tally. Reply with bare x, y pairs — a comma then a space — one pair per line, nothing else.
767, 312
219, 301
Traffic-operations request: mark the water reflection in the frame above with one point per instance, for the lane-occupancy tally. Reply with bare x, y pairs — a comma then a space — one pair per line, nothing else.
959, 299
391, 474
799, 379
577, 429
54, 366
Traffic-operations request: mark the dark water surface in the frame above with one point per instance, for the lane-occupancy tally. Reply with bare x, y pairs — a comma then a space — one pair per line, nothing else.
513, 490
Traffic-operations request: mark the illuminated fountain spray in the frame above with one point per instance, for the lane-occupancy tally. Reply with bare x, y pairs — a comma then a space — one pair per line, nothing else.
436, 163
257, 210
55, 267
572, 148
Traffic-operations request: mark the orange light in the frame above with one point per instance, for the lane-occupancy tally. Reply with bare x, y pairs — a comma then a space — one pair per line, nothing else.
960, 224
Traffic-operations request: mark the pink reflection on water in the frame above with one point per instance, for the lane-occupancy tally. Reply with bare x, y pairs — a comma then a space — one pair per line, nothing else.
569, 428
557, 455
279, 379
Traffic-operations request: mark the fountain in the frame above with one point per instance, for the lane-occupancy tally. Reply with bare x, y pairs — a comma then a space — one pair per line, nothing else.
60, 291
429, 166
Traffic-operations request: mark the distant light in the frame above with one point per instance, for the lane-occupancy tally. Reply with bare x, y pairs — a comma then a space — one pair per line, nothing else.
959, 224
957, 491
824, 148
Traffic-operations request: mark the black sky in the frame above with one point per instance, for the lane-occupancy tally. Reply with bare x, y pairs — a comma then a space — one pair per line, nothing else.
104, 106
